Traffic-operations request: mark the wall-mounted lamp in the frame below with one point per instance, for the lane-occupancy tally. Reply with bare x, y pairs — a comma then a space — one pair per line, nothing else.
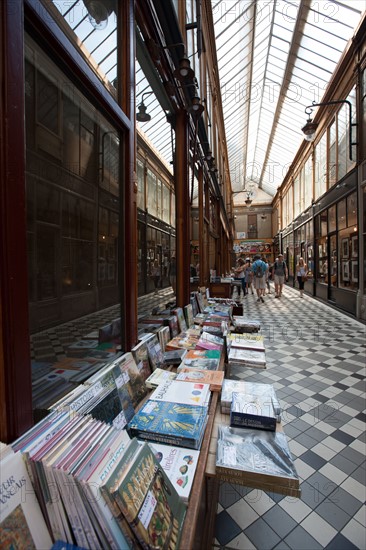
263, 216
196, 107
142, 115
248, 201
310, 127
98, 12
184, 71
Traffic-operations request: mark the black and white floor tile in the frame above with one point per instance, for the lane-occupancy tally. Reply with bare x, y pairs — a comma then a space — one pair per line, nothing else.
316, 361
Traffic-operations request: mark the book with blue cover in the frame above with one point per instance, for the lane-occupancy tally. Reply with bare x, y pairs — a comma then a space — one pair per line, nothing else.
170, 423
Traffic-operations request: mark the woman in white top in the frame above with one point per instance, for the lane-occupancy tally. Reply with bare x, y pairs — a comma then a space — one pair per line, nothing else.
301, 273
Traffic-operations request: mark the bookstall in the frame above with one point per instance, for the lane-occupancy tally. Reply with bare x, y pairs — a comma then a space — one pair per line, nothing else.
169, 391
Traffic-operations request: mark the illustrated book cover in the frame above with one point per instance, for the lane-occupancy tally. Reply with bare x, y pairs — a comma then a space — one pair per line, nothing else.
130, 376
22, 524
154, 351
158, 376
246, 357
170, 423
141, 357
214, 378
149, 502
246, 341
187, 393
179, 464
181, 319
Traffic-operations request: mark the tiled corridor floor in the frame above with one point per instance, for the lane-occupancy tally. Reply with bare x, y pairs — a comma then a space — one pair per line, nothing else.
316, 361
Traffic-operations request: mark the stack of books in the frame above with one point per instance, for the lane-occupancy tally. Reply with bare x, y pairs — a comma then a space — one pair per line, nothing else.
241, 324
159, 376
250, 388
209, 341
256, 458
252, 411
201, 359
242, 357
170, 423
184, 340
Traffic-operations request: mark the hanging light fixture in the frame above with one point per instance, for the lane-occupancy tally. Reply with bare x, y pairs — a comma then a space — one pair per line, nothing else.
142, 115
310, 127
98, 12
196, 107
184, 71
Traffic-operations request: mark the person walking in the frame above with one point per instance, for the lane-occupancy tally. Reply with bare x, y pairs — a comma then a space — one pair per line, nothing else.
239, 274
173, 273
248, 275
259, 268
280, 272
301, 274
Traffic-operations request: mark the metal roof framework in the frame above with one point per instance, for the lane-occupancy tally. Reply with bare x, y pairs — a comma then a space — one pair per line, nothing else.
274, 58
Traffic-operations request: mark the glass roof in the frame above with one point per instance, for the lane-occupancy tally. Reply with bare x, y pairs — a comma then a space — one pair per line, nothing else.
274, 59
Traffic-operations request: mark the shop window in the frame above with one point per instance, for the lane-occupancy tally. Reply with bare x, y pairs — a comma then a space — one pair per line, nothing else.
321, 167
341, 214
152, 193
322, 260
332, 219
352, 209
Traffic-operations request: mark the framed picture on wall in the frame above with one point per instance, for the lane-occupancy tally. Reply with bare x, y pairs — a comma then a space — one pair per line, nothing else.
345, 248
354, 271
354, 246
345, 271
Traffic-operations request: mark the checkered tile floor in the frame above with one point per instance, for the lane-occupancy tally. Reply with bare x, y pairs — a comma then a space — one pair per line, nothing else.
316, 361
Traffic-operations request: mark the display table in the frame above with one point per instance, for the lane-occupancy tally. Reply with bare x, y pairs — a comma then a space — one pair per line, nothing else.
199, 525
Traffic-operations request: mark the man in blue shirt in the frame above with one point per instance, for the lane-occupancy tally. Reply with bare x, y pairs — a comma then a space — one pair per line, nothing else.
259, 269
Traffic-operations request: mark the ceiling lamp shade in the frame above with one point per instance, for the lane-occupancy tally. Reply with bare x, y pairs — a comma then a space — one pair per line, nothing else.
309, 130
196, 107
98, 12
142, 115
184, 71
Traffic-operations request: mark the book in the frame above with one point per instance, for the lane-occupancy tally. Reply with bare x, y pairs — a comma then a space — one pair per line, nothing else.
148, 501
210, 341
252, 411
174, 357
158, 376
187, 393
130, 375
181, 319
242, 357
214, 378
254, 458
22, 524
163, 336
155, 352
92, 475
182, 341
170, 423
188, 315
179, 464
241, 324
253, 388
141, 357
246, 341
202, 359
